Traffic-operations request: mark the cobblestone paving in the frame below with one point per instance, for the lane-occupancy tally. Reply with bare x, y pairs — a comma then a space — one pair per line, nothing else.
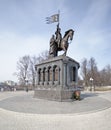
10, 120
27, 104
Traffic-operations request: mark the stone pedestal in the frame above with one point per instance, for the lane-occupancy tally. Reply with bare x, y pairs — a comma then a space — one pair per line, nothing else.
56, 78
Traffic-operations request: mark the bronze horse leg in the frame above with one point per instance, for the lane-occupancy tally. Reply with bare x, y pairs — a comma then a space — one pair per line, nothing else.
64, 47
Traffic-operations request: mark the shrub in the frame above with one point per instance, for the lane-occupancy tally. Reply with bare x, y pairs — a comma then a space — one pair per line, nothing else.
76, 95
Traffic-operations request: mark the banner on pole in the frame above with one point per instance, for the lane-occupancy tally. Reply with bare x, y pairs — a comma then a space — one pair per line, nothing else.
52, 19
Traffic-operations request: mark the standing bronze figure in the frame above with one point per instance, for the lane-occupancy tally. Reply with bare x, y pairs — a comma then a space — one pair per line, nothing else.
53, 47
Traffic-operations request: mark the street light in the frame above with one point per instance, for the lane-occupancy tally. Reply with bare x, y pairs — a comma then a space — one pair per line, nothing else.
91, 81
26, 83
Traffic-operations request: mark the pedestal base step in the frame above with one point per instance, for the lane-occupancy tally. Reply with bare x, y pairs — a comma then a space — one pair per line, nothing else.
58, 95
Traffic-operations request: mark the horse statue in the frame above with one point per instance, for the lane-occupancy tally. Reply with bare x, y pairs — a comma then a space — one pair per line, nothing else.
65, 41
63, 45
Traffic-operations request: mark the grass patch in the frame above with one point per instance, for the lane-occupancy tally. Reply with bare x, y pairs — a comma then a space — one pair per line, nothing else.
102, 89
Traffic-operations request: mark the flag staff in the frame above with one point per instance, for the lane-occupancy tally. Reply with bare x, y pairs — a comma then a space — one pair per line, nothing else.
58, 28
59, 17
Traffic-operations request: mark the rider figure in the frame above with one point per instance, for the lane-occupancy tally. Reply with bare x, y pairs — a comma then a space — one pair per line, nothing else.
58, 36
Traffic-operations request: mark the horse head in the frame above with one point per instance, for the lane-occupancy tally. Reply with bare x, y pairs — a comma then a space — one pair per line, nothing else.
69, 33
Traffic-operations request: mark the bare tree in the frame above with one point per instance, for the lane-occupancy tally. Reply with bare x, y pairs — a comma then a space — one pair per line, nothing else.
26, 67
84, 71
93, 70
23, 69
89, 70
105, 76
43, 56
108, 75
34, 60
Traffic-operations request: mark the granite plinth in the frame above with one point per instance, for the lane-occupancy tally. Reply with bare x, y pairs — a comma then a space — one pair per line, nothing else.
56, 78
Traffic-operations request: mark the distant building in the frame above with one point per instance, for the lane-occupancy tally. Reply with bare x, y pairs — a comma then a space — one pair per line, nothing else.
8, 86
10, 83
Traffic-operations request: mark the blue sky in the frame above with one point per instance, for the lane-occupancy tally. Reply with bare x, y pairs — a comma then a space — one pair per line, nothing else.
23, 30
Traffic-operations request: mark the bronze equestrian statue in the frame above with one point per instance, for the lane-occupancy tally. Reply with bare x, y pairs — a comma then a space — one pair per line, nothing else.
58, 43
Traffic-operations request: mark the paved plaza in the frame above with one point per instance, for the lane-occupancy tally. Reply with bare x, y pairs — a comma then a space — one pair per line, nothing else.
20, 111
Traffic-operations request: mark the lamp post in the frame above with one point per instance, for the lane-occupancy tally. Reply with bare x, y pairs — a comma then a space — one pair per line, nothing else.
26, 83
91, 81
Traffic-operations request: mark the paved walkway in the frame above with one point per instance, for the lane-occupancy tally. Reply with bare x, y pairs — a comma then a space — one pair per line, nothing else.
20, 111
